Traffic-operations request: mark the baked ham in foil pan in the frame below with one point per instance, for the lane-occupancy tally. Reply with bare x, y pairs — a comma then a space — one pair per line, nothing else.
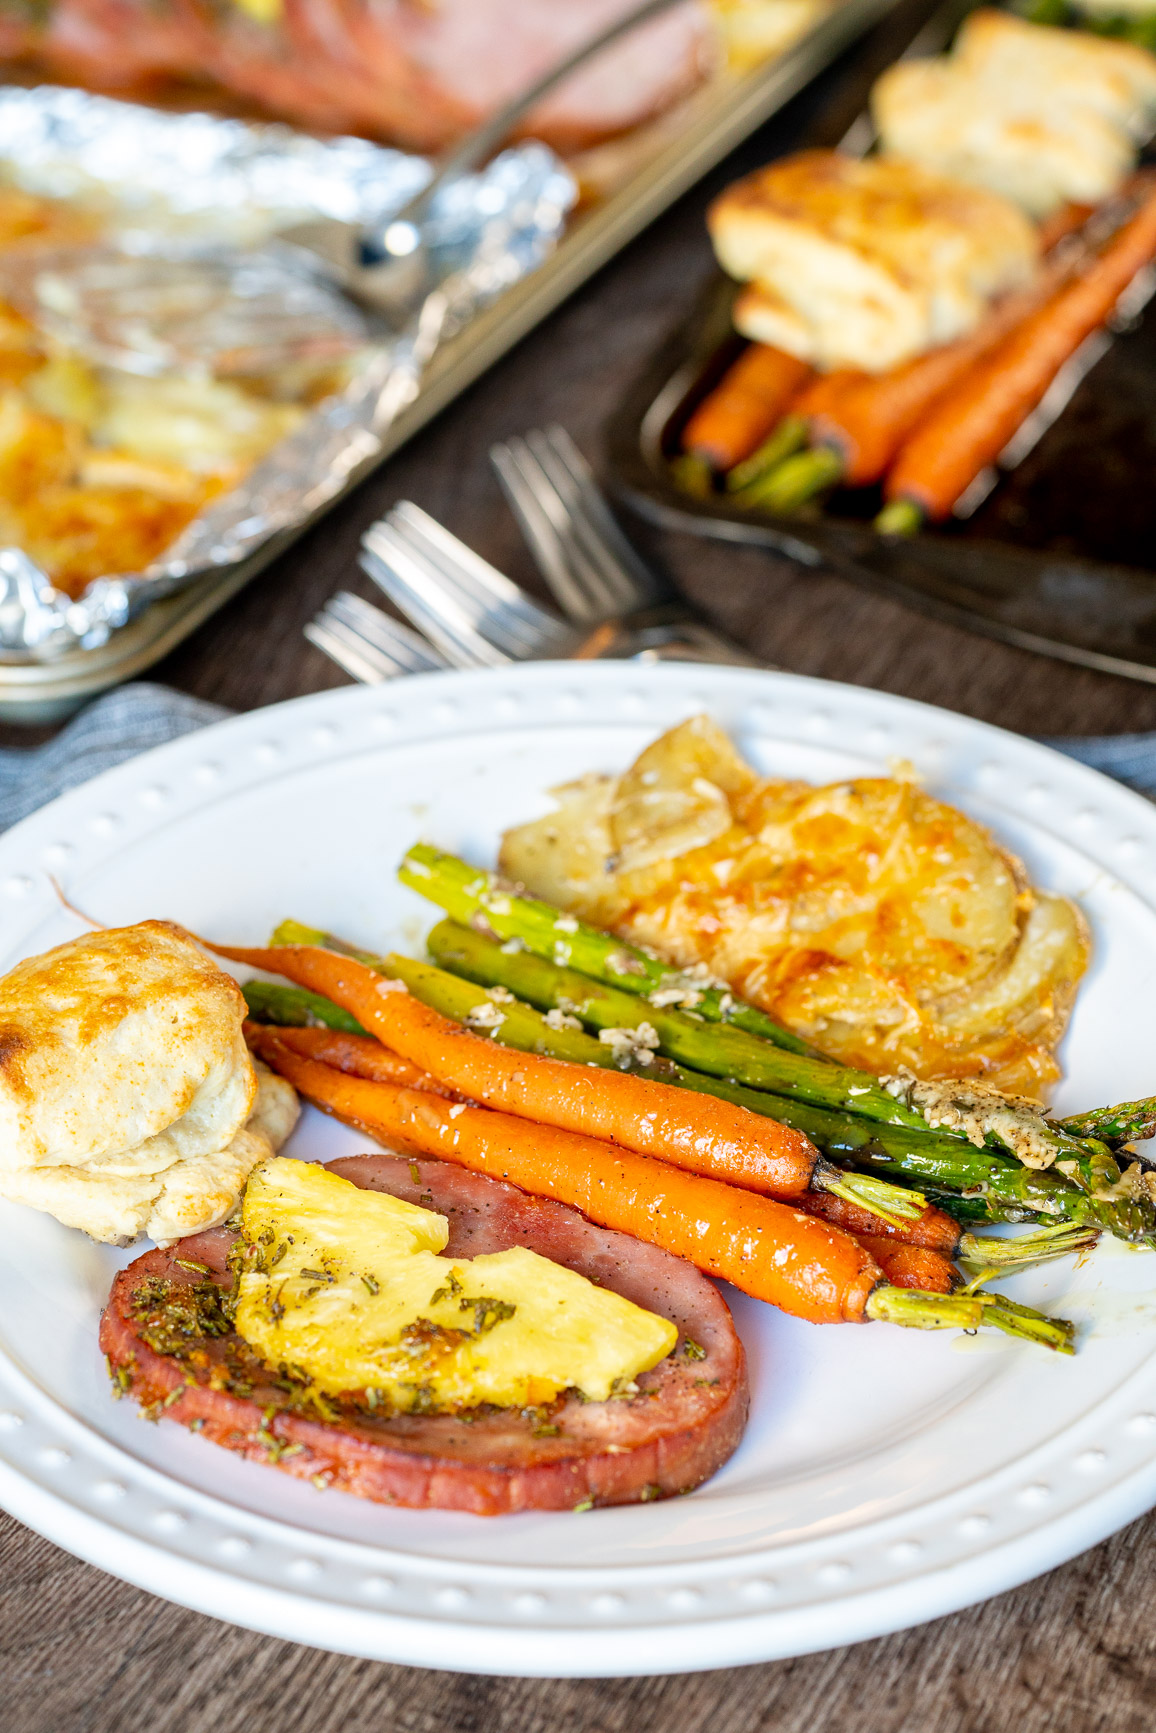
168, 283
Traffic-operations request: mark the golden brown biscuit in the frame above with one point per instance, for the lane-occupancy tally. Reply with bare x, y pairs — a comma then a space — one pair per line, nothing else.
865, 263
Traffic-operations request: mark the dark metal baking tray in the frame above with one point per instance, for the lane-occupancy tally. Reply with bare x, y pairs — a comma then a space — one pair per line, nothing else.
1060, 558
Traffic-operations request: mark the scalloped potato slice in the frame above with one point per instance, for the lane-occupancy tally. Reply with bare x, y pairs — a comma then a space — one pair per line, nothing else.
564, 856
1035, 991
674, 797
878, 922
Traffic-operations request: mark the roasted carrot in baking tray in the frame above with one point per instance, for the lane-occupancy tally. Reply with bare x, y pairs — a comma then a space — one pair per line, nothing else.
745, 406
770, 1250
869, 419
970, 425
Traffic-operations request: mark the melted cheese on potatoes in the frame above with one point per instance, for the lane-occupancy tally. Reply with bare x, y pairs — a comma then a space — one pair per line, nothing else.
876, 921
348, 1286
865, 263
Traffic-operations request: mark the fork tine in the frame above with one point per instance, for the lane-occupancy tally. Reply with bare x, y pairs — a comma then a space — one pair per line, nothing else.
350, 656
408, 585
453, 594
538, 513
383, 633
476, 577
366, 660
498, 609
646, 585
611, 592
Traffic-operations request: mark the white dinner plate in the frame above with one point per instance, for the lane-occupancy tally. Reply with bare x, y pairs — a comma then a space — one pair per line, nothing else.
886, 1476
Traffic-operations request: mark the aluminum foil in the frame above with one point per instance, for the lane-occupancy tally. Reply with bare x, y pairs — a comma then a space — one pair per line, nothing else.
193, 187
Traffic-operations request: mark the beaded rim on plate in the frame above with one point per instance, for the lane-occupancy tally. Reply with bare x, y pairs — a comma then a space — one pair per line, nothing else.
97, 1500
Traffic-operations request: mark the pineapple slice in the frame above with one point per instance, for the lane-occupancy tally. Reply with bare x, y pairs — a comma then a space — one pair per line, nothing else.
347, 1285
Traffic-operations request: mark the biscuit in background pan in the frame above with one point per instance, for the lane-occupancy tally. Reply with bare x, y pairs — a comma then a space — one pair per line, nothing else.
1038, 114
865, 263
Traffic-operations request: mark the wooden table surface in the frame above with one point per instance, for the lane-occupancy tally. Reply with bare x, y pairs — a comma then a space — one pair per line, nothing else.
1071, 1653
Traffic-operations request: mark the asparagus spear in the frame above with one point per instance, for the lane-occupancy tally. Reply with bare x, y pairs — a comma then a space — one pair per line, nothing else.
723, 1052
297, 1008
476, 898
916, 1155
473, 898
1129, 1122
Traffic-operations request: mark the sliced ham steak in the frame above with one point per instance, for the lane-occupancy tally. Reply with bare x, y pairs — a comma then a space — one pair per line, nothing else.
474, 55
683, 1424
119, 44
417, 73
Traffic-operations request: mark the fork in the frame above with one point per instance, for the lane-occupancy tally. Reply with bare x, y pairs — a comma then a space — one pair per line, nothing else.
366, 643
472, 613
594, 574
478, 618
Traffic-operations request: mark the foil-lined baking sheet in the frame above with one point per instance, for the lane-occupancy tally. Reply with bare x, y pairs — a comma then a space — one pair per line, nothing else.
189, 274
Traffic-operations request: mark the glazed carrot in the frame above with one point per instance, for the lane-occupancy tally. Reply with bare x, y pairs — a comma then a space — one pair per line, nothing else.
744, 407
700, 1132
768, 1249
933, 1229
1062, 223
971, 424
870, 417
911, 1266
361, 1056
827, 390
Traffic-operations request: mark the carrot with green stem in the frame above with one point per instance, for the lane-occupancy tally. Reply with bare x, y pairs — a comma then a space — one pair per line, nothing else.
745, 406
933, 1230
857, 421
701, 1132
859, 1203
912, 1266
1005, 1189
972, 423
358, 1055
768, 1249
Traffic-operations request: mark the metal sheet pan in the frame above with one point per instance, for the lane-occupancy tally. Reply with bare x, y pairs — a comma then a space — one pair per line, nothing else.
717, 119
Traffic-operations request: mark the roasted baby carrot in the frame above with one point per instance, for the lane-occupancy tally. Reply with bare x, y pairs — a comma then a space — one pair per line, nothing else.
768, 1249
911, 1266
868, 420
933, 1228
970, 425
827, 390
360, 1056
699, 1132
744, 407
